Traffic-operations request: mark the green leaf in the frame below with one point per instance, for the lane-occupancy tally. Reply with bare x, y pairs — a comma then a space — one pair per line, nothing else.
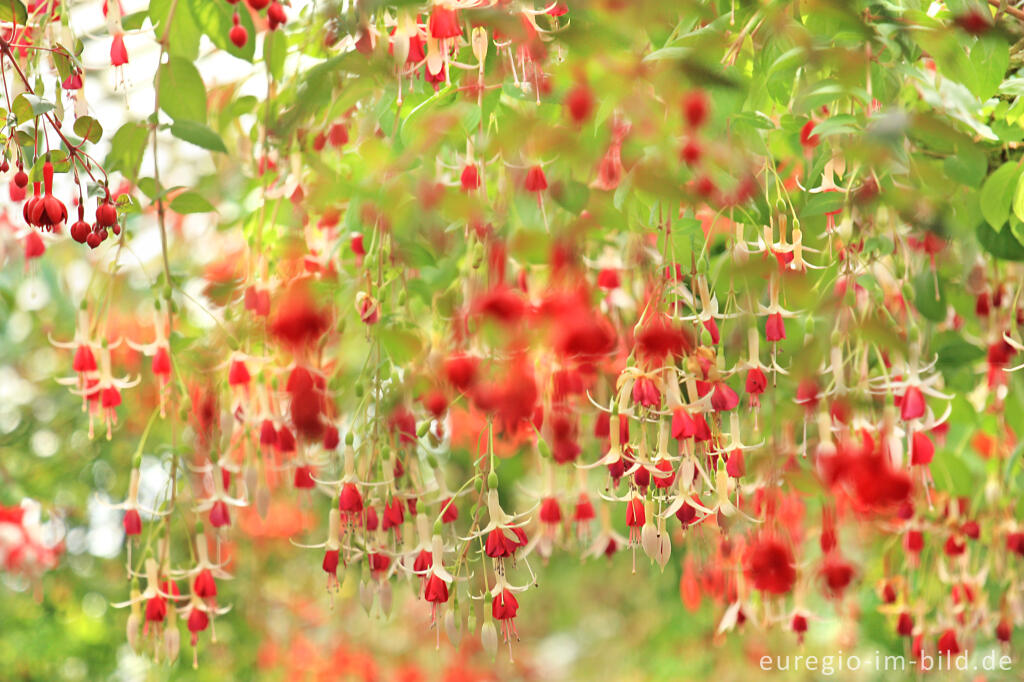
62, 61
183, 36
134, 21
930, 306
182, 92
1018, 199
1001, 244
967, 165
191, 202
402, 344
199, 135
821, 203
990, 58
88, 128
954, 352
13, 11
148, 187
26, 107
997, 194
840, 124
571, 195
126, 150
214, 19
275, 50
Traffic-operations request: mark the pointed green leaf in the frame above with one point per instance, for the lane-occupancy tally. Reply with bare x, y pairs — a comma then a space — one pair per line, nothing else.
997, 194
182, 92
199, 135
191, 202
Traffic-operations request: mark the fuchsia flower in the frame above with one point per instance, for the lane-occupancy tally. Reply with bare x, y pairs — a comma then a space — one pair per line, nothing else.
118, 52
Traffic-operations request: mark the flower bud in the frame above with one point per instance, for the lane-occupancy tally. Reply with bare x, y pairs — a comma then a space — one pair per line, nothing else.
366, 596
489, 638
172, 642
452, 629
132, 629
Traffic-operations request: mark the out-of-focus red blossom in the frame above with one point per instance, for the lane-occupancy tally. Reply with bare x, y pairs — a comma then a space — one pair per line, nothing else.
502, 304
696, 107
299, 320
579, 102
770, 566
403, 422
659, 337
23, 549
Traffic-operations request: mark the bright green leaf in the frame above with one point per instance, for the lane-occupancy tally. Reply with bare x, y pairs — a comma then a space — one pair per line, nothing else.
191, 202
88, 128
199, 135
997, 194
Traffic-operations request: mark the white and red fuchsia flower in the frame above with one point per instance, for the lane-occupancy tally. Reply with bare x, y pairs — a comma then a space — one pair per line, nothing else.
158, 597
132, 520
160, 350
216, 499
23, 546
102, 392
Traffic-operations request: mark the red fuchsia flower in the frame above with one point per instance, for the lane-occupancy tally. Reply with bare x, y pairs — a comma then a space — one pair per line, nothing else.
276, 16
691, 152
73, 81
23, 550
238, 34
159, 350
798, 624
155, 598
535, 180
83, 364
504, 533
723, 398
921, 449
103, 392
836, 574
807, 137
1004, 630
583, 515
368, 308
298, 321
443, 22
646, 393
469, 179
770, 567
608, 279
636, 517
696, 108
755, 385
579, 102
350, 502
948, 644
47, 212
218, 502
118, 52
504, 608
461, 369
331, 547
393, 517
912, 405
610, 170
905, 625
132, 520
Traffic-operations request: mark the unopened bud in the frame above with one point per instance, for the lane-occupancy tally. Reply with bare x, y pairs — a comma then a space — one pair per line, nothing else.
489, 638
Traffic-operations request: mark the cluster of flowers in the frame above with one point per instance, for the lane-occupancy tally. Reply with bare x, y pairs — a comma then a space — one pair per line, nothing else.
664, 399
